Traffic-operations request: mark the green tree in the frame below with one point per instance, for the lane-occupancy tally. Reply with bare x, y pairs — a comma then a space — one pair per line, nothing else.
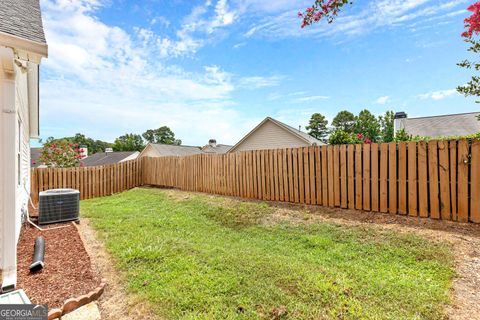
162, 135
402, 135
317, 127
93, 146
128, 142
344, 120
60, 154
339, 136
368, 125
386, 126
472, 26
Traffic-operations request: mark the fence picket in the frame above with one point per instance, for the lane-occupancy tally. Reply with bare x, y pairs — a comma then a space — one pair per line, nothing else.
433, 180
358, 177
463, 166
336, 176
475, 182
402, 178
374, 174
366, 177
412, 179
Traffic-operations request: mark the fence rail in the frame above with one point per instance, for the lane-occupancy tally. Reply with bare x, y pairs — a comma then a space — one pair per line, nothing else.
436, 179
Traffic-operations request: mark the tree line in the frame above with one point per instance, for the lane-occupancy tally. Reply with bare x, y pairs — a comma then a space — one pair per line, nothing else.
349, 128
126, 142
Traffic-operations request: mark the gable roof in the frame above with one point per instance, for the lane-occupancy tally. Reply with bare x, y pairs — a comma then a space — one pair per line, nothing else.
298, 133
21, 29
165, 150
460, 124
218, 149
22, 19
104, 158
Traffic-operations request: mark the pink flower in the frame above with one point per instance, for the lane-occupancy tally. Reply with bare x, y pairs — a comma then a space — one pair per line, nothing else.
34, 162
300, 14
360, 136
309, 9
368, 141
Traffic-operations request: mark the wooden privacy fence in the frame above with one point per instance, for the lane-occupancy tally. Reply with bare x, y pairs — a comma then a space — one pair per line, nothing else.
436, 179
91, 181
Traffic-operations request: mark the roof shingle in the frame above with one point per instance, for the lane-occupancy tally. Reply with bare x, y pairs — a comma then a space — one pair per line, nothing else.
104, 158
218, 149
461, 124
166, 150
22, 18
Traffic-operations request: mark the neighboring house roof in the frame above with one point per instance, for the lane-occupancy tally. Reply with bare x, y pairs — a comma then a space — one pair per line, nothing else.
35, 157
302, 136
444, 125
165, 150
104, 158
22, 18
218, 149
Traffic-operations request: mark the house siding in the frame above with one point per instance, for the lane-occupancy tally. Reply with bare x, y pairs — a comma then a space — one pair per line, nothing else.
270, 136
14, 158
22, 142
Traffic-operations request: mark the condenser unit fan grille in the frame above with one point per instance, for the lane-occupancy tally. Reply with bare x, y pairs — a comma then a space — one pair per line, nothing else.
58, 205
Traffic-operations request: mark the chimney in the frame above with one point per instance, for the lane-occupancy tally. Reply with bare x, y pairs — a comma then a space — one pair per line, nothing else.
212, 143
398, 122
108, 150
83, 152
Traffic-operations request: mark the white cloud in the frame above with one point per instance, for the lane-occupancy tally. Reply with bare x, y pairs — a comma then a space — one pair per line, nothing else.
438, 95
382, 100
103, 81
310, 99
161, 20
257, 82
239, 45
375, 14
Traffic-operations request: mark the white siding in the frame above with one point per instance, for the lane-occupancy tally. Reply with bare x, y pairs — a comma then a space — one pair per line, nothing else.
10, 214
270, 136
22, 142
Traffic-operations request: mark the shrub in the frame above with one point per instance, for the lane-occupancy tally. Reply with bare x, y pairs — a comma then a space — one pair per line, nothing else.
60, 154
340, 136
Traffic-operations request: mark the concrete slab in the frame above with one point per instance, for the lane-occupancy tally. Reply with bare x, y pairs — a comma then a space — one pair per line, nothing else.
87, 312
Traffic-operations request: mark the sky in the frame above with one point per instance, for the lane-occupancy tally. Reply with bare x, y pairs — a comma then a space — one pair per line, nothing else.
216, 68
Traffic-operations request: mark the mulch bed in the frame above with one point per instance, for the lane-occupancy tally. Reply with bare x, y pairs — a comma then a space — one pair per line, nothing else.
67, 273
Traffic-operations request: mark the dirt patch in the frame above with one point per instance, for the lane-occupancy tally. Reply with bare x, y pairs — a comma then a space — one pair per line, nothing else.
67, 273
114, 303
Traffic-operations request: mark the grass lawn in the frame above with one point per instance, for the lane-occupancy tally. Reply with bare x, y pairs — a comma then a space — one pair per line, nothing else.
199, 256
